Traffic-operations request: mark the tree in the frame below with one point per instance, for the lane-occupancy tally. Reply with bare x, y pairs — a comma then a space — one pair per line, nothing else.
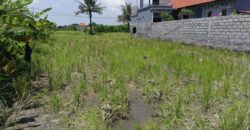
125, 17
89, 7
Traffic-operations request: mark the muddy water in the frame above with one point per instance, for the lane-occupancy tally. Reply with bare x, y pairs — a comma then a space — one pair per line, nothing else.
140, 112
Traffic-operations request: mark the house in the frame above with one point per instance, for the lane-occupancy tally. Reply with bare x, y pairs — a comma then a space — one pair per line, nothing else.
209, 8
150, 11
82, 26
200, 8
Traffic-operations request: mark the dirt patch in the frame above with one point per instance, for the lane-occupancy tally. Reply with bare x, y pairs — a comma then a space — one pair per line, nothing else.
140, 111
31, 115
31, 119
40, 82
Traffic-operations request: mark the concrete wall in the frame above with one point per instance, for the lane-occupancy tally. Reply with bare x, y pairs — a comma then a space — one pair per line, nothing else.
142, 17
232, 32
165, 2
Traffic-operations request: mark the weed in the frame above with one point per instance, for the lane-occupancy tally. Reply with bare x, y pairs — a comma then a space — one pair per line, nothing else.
207, 94
22, 86
234, 118
178, 107
201, 123
151, 125
54, 104
137, 127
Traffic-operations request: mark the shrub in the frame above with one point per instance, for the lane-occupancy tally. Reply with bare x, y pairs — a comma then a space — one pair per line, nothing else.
166, 16
185, 13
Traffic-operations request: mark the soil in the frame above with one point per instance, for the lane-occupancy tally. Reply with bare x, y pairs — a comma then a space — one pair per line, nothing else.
33, 117
140, 111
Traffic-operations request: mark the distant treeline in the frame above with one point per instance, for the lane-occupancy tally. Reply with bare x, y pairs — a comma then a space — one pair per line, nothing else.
111, 28
98, 28
72, 27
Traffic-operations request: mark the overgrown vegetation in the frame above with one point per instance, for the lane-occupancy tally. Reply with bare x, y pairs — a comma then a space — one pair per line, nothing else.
192, 87
18, 28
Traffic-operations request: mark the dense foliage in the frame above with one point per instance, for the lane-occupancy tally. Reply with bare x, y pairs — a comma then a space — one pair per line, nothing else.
111, 28
166, 16
72, 27
18, 28
97, 28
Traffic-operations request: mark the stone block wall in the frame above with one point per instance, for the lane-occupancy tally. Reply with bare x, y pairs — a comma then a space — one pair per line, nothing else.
232, 32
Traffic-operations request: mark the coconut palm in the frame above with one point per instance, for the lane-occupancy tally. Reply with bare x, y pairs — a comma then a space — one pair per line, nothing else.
89, 7
125, 17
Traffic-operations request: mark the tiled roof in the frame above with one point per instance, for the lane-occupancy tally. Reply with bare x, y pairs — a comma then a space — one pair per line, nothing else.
82, 24
185, 3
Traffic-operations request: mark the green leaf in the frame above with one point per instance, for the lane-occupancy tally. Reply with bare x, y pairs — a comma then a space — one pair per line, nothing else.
4, 77
37, 15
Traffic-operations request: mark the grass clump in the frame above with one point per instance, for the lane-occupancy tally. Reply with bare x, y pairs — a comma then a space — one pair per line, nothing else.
234, 118
54, 103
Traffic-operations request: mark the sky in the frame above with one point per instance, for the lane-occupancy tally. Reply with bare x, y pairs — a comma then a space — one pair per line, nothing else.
63, 11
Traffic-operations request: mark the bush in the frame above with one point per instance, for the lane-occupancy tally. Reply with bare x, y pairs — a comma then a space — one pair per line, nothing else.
166, 16
185, 13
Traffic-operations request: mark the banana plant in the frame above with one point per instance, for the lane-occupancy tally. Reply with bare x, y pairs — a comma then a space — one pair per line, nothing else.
17, 28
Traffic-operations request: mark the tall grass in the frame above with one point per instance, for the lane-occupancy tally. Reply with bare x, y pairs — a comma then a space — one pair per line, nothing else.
199, 84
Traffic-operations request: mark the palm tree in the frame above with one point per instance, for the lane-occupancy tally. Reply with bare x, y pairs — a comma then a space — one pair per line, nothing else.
125, 17
89, 7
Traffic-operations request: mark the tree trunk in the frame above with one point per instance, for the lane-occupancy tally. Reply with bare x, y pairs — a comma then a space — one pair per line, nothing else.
128, 27
28, 52
90, 23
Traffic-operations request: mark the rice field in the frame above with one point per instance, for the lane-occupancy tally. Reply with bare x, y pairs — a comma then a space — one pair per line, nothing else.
116, 81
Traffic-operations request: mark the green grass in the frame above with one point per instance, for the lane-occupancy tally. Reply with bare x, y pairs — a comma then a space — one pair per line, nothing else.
201, 87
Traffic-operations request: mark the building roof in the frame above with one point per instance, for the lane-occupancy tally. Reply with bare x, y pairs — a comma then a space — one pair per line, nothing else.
82, 25
186, 3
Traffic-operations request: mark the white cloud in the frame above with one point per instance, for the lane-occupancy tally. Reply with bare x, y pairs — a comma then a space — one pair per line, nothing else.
110, 13
112, 6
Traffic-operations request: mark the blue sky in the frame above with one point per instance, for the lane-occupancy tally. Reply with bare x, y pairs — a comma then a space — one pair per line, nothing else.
63, 11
